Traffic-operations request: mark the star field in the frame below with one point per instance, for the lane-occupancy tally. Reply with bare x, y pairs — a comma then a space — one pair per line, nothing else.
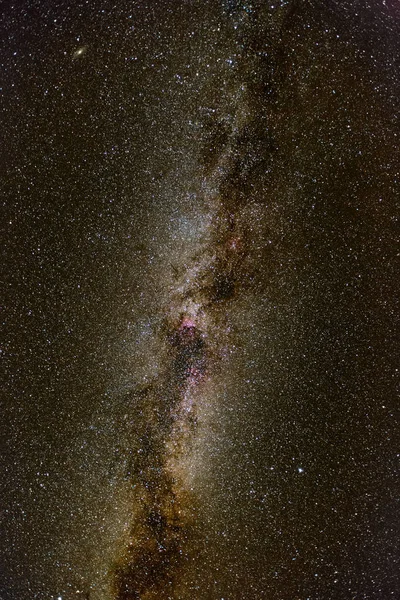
201, 300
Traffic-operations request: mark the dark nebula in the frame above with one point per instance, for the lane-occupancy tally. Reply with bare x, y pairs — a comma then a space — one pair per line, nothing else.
201, 300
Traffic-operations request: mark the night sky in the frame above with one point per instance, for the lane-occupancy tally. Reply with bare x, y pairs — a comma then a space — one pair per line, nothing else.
201, 300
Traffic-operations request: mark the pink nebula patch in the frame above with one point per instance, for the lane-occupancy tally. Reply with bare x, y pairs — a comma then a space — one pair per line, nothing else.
187, 323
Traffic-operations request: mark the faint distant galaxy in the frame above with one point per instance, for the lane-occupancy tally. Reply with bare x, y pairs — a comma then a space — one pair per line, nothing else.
201, 300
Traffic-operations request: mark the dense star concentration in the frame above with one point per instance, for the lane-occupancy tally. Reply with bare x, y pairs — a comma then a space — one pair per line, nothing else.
201, 300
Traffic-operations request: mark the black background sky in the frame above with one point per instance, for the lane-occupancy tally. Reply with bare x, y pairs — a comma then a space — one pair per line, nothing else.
102, 155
